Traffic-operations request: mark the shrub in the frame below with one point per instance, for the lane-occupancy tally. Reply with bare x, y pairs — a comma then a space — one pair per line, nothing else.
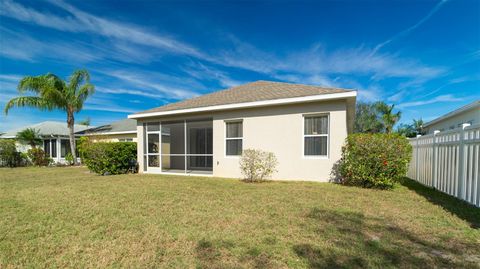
9, 155
69, 158
108, 158
374, 160
38, 157
257, 165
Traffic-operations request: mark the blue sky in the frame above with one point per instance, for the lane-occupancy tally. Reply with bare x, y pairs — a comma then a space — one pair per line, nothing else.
422, 56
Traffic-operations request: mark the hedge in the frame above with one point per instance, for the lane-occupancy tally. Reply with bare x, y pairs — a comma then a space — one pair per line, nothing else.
9, 156
108, 158
374, 160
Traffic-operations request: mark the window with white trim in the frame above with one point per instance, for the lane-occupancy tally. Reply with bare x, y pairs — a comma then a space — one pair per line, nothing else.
233, 138
315, 135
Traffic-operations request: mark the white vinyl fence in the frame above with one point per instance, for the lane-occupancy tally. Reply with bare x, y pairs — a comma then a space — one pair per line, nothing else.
449, 162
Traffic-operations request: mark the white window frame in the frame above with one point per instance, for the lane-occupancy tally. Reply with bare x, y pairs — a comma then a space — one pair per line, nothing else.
232, 138
312, 115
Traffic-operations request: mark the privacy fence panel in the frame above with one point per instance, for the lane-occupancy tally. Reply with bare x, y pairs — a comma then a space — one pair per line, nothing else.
449, 162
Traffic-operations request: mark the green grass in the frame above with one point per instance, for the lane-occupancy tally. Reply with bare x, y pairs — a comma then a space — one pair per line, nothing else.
67, 217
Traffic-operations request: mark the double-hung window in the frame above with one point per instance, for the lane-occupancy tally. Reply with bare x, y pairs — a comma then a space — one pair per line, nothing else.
233, 138
315, 135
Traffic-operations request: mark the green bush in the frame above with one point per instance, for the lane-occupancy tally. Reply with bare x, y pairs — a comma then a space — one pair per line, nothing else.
374, 160
9, 156
38, 157
69, 159
108, 158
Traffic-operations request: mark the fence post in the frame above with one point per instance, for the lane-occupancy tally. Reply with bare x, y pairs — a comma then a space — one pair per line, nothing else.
434, 159
462, 177
416, 158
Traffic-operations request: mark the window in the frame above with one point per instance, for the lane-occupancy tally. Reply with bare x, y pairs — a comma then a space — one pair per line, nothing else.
315, 136
234, 138
54, 148
65, 148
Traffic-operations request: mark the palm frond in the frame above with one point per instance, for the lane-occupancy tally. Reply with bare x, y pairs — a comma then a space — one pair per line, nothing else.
29, 101
77, 78
33, 84
85, 91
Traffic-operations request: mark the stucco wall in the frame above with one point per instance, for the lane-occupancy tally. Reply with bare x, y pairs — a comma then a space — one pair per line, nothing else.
456, 121
278, 129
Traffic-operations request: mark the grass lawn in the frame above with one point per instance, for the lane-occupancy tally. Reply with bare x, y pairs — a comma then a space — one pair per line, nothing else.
67, 217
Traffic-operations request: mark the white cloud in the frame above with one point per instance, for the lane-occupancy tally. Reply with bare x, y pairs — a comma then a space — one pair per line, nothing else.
439, 99
203, 72
410, 29
130, 92
79, 21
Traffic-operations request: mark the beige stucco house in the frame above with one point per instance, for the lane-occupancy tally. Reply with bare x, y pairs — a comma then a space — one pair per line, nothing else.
118, 131
304, 126
469, 113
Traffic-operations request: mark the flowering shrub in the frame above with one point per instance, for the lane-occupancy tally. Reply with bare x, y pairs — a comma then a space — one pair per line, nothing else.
257, 165
374, 160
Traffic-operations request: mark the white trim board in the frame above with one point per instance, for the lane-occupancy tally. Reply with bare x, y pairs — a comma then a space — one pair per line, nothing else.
282, 101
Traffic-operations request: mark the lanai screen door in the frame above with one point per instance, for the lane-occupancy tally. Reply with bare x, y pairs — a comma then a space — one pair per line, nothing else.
180, 146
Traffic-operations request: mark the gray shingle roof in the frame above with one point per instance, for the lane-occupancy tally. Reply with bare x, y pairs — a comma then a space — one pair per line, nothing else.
125, 125
250, 92
46, 128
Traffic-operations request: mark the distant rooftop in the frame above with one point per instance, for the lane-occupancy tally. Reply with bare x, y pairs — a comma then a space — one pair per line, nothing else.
121, 126
46, 128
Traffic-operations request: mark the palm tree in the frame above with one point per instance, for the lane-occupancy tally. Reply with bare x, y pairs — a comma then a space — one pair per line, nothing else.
29, 136
51, 92
389, 118
418, 126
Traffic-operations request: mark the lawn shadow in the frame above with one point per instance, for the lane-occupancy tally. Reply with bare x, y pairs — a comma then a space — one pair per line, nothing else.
218, 254
351, 240
459, 208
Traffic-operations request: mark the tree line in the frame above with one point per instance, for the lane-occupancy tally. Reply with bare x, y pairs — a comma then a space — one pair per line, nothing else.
379, 117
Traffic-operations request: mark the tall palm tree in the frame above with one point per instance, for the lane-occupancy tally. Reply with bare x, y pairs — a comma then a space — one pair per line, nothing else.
51, 92
29, 136
388, 117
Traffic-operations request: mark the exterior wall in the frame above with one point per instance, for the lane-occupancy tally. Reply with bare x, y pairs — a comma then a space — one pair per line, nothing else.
278, 129
454, 122
113, 137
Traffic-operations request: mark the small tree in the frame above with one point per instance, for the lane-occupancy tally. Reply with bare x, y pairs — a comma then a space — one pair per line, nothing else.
30, 137
257, 165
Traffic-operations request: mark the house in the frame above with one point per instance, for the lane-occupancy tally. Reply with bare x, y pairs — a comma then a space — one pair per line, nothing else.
304, 126
452, 120
119, 131
54, 134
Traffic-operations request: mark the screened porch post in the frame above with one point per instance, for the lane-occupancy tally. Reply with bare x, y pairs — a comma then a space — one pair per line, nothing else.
185, 144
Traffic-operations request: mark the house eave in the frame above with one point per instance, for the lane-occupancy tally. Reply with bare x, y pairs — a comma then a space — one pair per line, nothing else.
283, 101
468, 107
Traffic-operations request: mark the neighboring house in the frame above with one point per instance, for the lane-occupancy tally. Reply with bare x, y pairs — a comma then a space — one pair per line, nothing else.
56, 143
304, 126
119, 131
452, 120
